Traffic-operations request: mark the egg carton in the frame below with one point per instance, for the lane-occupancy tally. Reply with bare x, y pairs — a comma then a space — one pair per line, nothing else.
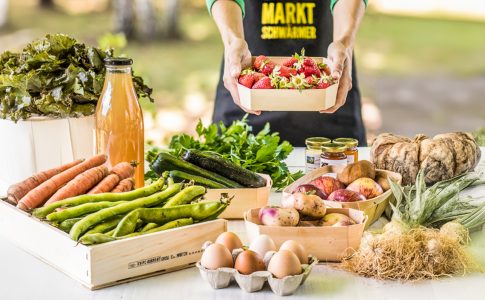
222, 278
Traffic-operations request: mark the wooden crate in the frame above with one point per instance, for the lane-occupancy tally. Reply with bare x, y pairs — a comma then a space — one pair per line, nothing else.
111, 263
327, 243
244, 199
373, 208
288, 99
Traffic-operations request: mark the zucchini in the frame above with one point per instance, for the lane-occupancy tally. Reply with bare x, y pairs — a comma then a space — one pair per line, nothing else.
179, 176
225, 168
167, 162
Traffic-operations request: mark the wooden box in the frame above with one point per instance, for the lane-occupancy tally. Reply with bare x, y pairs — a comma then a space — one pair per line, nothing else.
111, 263
373, 208
244, 199
326, 243
287, 99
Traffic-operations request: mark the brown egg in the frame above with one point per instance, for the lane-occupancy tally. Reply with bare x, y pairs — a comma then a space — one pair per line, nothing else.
248, 262
284, 263
230, 240
296, 248
216, 256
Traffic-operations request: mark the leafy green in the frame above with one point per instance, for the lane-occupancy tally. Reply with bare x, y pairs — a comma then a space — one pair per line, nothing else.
262, 152
479, 135
54, 76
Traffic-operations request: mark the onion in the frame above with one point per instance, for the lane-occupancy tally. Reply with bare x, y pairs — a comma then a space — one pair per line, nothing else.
309, 189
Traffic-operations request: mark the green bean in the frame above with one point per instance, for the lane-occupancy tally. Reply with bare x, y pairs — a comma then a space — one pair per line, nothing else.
99, 238
80, 210
198, 211
186, 195
149, 226
157, 186
105, 226
66, 225
90, 220
110, 233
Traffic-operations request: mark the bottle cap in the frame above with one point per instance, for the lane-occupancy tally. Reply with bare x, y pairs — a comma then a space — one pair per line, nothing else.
118, 61
333, 147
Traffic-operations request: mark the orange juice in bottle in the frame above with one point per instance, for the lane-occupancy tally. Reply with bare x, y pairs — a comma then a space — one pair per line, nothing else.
119, 119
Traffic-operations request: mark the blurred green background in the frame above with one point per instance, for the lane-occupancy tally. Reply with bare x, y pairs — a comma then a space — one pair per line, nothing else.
420, 71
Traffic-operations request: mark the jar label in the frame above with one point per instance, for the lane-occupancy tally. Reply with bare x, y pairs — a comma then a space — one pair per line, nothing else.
330, 162
350, 159
312, 162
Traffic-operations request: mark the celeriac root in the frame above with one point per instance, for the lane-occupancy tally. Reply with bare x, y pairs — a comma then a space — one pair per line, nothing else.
417, 254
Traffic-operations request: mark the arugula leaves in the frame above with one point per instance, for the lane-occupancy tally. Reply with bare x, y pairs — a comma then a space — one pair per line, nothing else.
55, 76
262, 152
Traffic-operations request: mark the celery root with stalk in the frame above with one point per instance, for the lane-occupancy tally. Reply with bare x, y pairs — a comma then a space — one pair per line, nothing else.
427, 235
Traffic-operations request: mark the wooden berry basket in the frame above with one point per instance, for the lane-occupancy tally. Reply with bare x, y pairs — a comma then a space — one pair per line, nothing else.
112, 263
287, 99
373, 208
327, 243
244, 199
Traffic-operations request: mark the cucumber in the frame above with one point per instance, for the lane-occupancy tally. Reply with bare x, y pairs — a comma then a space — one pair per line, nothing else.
167, 162
179, 176
225, 168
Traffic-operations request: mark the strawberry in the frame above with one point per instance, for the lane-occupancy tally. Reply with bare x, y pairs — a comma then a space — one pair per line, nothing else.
257, 76
290, 62
307, 61
258, 61
324, 68
247, 80
284, 71
324, 83
311, 80
263, 83
310, 70
267, 67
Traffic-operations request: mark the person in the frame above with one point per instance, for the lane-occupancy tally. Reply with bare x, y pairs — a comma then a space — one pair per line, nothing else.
280, 28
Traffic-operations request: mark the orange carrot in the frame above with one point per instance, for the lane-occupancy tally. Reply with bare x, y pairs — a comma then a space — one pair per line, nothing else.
41, 193
80, 184
106, 185
125, 185
123, 170
17, 191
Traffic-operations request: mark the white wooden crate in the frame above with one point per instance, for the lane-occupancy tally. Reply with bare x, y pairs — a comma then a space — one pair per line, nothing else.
111, 263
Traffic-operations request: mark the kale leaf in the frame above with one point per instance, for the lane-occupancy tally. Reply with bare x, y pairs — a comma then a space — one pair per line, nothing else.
55, 76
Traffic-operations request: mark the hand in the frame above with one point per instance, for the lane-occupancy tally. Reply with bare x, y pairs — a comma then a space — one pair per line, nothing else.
340, 61
236, 57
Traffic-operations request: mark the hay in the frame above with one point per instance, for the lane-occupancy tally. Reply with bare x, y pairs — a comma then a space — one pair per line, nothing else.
416, 254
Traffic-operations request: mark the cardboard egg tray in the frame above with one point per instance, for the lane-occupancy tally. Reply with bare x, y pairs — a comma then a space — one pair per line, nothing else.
223, 277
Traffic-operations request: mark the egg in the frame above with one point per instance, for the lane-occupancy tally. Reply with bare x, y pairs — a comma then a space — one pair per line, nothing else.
216, 256
262, 244
230, 240
248, 262
296, 248
284, 263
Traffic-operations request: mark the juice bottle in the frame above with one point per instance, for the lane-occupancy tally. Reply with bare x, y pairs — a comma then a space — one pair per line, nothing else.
119, 119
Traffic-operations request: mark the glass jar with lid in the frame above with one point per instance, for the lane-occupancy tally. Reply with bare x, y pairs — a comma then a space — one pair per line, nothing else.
333, 155
351, 148
313, 151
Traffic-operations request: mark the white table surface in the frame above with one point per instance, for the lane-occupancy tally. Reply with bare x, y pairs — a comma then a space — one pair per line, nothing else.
25, 277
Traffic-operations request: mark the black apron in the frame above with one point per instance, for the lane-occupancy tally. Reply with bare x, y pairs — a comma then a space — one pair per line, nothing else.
270, 28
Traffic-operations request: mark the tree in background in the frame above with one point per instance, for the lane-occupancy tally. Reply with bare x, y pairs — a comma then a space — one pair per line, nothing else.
124, 17
46, 3
3, 12
172, 10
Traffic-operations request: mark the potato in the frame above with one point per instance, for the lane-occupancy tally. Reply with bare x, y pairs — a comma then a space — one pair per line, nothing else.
276, 216
352, 172
307, 205
381, 179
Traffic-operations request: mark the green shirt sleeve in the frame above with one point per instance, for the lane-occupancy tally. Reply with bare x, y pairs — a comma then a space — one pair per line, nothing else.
333, 2
239, 2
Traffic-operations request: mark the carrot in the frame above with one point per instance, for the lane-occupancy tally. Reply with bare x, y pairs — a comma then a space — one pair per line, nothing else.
16, 191
123, 170
80, 184
106, 185
36, 197
125, 185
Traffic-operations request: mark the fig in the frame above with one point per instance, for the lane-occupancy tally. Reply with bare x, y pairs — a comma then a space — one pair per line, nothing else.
344, 195
309, 189
366, 186
336, 220
327, 185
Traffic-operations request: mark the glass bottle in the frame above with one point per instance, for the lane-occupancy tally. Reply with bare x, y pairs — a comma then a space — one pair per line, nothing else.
313, 151
119, 118
352, 151
333, 155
